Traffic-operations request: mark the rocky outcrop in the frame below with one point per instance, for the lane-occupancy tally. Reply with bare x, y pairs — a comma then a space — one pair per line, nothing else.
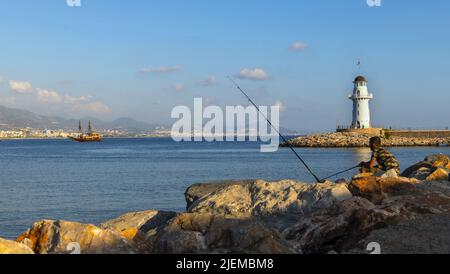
61, 237
353, 139
428, 234
341, 228
376, 189
261, 198
196, 191
139, 227
207, 233
130, 224
11, 247
432, 168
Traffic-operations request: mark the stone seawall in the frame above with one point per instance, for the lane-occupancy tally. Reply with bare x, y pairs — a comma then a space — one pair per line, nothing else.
407, 133
418, 133
352, 139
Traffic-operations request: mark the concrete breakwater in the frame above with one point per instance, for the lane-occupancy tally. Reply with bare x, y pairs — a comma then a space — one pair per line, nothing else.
354, 139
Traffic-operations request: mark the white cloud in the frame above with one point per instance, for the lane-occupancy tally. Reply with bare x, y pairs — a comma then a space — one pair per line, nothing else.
253, 74
20, 86
48, 96
298, 46
211, 81
70, 99
94, 108
161, 70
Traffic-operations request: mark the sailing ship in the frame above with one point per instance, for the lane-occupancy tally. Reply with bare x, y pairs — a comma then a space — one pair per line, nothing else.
89, 136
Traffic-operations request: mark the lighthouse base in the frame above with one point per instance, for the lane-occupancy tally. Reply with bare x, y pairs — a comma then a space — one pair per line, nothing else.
368, 131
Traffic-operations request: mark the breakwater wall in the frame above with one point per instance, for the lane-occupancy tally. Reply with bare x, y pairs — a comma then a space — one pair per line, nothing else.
405, 133
417, 133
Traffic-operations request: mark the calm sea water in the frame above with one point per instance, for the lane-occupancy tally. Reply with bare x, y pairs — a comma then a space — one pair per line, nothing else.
93, 182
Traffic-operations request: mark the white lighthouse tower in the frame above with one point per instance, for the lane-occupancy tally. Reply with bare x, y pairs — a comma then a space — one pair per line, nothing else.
361, 98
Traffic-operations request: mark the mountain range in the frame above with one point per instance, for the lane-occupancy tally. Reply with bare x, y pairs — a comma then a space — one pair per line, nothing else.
11, 118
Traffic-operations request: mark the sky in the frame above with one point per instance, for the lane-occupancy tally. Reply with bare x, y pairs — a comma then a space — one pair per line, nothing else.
139, 59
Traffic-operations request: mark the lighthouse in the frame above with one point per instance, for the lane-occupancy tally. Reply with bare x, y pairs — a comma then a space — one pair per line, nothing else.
360, 98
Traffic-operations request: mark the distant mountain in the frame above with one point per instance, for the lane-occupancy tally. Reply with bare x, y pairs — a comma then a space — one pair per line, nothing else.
11, 118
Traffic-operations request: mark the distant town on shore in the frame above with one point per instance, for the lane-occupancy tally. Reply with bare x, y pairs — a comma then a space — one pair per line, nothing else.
23, 124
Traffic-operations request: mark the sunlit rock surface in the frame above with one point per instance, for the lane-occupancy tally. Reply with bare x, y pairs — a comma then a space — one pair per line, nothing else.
11, 247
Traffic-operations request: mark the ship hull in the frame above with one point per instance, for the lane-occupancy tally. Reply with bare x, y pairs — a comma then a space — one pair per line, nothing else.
86, 139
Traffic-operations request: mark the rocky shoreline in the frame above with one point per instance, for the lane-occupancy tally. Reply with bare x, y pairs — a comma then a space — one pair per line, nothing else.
403, 214
353, 139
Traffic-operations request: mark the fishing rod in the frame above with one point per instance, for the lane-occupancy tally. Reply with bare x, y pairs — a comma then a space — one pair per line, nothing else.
276, 130
340, 172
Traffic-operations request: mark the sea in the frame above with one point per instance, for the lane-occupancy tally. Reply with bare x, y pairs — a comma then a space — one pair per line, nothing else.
94, 182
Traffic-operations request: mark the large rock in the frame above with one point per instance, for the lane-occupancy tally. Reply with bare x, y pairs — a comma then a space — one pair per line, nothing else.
11, 247
340, 228
440, 174
207, 233
197, 191
438, 160
58, 237
138, 227
432, 168
376, 189
263, 199
183, 234
428, 234
130, 224
437, 186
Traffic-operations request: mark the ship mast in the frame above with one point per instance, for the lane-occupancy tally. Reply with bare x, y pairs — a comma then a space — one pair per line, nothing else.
80, 129
90, 127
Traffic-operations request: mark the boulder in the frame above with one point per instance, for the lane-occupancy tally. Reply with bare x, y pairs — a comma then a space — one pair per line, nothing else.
340, 228
139, 226
428, 234
245, 236
437, 186
438, 160
261, 199
391, 173
196, 191
376, 189
58, 237
440, 174
130, 224
431, 164
11, 247
183, 234
206, 233
329, 229
422, 173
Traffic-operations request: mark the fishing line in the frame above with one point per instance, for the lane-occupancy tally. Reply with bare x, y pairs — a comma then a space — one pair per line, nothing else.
276, 130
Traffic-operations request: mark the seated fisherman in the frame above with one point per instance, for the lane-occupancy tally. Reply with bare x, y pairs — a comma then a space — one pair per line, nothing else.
386, 161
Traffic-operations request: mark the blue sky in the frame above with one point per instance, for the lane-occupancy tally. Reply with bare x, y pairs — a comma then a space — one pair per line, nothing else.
137, 58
